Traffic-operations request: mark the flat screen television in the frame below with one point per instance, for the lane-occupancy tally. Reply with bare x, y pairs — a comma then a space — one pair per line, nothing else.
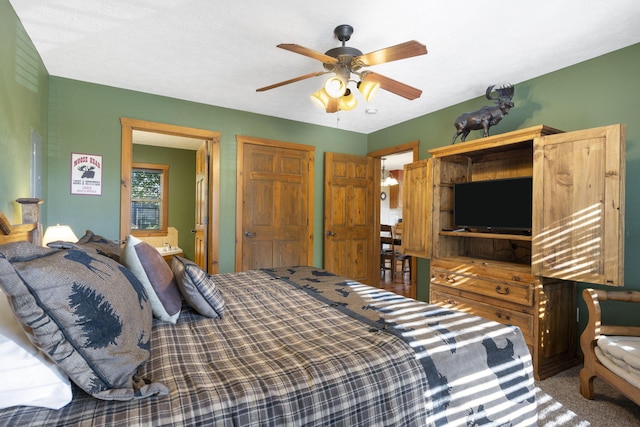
494, 205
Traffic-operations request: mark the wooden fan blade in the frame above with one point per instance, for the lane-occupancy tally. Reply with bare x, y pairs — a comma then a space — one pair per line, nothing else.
332, 106
393, 53
308, 52
394, 86
296, 79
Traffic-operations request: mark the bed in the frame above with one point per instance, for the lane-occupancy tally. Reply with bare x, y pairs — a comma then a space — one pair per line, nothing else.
283, 346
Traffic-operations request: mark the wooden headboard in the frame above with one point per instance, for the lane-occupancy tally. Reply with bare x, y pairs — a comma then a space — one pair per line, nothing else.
30, 229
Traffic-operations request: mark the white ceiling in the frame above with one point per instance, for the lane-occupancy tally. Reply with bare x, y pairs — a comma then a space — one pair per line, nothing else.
219, 52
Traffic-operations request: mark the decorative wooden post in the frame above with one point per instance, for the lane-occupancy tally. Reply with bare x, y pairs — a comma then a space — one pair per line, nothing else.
31, 215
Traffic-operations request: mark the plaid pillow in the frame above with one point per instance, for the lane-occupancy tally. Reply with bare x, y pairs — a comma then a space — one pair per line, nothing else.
88, 313
198, 289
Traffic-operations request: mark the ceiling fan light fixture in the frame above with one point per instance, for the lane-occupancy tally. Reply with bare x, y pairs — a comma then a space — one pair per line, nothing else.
343, 61
368, 89
348, 101
335, 86
388, 180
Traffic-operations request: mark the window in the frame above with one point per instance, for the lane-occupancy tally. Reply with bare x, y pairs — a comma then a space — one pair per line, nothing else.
149, 198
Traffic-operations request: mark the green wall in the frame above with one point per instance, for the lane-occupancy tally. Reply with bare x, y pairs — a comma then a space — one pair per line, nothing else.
23, 107
85, 117
598, 92
182, 190
76, 116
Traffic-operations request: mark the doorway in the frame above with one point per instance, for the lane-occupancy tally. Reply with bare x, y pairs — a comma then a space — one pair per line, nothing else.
164, 135
395, 157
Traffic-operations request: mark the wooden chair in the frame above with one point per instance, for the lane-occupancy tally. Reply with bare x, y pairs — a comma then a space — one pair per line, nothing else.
402, 259
588, 342
387, 251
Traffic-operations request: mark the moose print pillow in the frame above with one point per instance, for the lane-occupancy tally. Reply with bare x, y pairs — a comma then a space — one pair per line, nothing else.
92, 242
88, 313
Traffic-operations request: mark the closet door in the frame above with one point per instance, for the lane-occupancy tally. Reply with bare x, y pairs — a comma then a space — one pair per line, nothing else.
274, 206
578, 205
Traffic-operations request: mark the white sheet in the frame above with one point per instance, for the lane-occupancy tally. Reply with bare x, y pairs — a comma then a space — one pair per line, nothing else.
28, 377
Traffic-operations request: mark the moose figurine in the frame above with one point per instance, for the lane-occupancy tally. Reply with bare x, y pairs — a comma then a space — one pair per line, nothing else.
487, 116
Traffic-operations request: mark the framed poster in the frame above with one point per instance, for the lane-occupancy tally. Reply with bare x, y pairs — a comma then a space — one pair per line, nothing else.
86, 174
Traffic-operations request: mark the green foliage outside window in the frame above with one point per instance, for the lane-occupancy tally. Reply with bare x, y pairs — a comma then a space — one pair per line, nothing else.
148, 197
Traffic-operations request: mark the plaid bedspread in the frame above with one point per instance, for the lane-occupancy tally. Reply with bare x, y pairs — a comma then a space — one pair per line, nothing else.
479, 372
300, 346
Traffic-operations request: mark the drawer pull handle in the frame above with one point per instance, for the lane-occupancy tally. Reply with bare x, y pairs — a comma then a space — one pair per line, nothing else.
450, 278
505, 316
451, 302
501, 290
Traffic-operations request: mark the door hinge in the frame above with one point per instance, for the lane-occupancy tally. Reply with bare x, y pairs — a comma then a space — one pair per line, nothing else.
206, 220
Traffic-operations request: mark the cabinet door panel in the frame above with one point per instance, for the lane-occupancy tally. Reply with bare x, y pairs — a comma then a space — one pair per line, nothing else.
578, 215
417, 208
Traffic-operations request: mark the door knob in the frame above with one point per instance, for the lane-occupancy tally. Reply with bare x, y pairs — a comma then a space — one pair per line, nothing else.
330, 233
249, 234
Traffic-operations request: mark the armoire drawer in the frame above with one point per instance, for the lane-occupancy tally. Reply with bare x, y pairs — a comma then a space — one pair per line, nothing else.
523, 321
502, 289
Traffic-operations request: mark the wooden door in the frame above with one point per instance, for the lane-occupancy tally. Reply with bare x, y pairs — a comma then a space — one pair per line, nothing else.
417, 212
202, 211
578, 205
274, 204
349, 217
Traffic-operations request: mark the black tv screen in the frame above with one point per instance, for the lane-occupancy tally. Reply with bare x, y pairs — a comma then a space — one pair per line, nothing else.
502, 204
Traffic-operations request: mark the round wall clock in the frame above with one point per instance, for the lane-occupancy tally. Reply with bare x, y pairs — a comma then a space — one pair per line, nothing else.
383, 196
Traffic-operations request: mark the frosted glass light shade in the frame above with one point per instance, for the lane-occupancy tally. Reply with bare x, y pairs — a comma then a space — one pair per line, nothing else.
321, 98
62, 233
348, 101
335, 87
368, 89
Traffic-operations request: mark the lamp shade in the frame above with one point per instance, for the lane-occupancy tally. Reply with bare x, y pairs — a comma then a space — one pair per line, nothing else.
335, 86
322, 99
59, 233
368, 89
348, 101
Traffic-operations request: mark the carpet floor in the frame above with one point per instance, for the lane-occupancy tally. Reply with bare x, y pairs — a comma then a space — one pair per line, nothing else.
561, 404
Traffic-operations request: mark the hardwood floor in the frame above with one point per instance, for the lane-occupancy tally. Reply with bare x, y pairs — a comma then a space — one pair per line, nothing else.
400, 285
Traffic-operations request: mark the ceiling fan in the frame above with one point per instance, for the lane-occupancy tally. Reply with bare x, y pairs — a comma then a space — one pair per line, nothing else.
344, 61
